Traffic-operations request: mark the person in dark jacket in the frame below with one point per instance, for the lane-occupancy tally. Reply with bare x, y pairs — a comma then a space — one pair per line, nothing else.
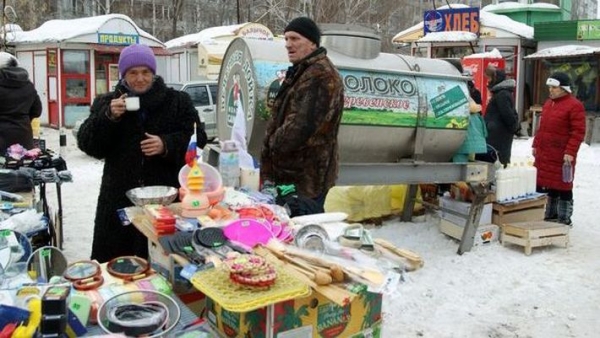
500, 115
19, 104
474, 92
300, 146
557, 141
140, 148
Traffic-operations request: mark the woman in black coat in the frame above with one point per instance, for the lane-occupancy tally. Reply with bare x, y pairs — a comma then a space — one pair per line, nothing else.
140, 148
19, 104
500, 115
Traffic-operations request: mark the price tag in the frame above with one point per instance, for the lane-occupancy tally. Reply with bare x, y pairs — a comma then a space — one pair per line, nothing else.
45, 253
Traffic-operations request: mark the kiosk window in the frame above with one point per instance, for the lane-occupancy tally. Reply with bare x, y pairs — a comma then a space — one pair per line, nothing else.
450, 51
583, 72
77, 88
76, 62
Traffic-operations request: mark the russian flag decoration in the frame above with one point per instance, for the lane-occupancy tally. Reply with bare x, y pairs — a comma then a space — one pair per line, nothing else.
192, 152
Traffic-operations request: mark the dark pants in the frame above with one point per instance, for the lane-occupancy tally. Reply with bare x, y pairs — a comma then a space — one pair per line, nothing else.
320, 200
565, 195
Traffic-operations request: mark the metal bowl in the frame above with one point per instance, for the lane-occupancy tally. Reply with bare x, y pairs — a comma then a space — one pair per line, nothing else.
155, 194
162, 325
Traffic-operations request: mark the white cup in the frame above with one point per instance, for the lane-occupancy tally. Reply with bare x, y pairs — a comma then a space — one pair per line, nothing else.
132, 103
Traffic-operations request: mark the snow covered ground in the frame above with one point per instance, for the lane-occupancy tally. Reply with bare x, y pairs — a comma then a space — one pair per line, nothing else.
491, 291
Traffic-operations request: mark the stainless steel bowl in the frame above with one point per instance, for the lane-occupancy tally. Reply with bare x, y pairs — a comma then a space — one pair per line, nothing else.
155, 194
143, 298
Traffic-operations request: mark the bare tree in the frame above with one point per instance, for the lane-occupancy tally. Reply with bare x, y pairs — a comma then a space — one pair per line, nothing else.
168, 19
177, 6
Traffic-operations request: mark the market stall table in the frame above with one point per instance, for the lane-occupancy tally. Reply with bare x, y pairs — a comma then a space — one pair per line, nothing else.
238, 311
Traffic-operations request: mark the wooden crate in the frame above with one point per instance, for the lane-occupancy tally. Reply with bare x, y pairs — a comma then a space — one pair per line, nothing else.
530, 235
485, 234
529, 210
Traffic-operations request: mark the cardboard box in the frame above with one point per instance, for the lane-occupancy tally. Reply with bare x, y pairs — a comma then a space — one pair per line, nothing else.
165, 265
486, 234
463, 208
525, 215
313, 316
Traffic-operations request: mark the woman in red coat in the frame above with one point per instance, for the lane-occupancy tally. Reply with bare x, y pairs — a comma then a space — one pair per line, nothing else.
561, 131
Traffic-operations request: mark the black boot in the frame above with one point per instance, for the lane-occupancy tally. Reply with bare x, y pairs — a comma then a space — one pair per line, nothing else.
565, 211
551, 214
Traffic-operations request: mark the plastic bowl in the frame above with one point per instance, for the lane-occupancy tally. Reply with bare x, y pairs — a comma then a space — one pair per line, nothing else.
212, 178
140, 298
155, 194
214, 196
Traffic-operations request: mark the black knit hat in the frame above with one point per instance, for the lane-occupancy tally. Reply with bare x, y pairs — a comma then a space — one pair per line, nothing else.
305, 27
560, 79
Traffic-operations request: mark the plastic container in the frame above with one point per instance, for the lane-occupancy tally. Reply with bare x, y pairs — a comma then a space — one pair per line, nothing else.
502, 188
531, 174
567, 172
229, 164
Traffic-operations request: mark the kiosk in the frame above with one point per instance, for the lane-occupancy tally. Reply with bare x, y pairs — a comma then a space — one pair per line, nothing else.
72, 61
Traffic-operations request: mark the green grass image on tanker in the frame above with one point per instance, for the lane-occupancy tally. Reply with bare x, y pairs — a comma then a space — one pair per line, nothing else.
397, 119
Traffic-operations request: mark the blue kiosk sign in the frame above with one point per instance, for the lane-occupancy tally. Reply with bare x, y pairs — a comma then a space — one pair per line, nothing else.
453, 19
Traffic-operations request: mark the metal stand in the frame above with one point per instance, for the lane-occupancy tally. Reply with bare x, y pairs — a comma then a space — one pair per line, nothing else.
54, 223
476, 174
413, 173
480, 191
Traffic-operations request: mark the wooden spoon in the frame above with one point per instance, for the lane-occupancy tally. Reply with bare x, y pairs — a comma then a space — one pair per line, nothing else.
337, 272
318, 277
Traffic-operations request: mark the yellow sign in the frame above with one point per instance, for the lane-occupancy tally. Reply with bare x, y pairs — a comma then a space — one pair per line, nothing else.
583, 68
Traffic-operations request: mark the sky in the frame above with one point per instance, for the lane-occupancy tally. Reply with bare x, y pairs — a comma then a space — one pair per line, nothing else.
491, 291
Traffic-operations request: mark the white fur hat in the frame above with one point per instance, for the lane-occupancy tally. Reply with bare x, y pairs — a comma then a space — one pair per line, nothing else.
8, 60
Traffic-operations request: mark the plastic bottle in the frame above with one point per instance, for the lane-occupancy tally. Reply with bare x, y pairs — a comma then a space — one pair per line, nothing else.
501, 185
531, 171
522, 179
229, 164
567, 172
513, 182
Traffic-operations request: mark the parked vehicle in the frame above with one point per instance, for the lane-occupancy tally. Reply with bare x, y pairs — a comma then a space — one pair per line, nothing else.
204, 97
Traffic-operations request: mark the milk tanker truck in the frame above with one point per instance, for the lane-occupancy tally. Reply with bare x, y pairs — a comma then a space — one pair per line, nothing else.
404, 117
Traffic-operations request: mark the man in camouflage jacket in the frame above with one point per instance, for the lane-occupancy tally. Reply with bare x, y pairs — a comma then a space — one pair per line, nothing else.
300, 145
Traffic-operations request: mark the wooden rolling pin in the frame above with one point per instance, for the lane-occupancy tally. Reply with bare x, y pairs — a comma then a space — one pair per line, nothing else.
412, 257
336, 294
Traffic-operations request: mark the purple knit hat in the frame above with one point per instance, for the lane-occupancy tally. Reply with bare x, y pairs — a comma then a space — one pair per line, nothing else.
136, 56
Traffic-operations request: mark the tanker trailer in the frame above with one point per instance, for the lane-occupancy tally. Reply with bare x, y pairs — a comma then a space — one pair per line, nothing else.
395, 106
404, 117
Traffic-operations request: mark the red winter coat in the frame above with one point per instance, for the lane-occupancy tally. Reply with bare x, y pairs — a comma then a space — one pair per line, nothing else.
562, 129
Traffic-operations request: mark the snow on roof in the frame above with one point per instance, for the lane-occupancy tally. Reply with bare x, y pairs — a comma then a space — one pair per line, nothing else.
494, 54
209, 35
449, 36
519, 6
563, 51
487, 19
205, 36
62, 30
11, 27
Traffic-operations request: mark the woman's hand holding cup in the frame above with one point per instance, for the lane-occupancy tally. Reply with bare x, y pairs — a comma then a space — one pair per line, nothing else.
123, 103
118, 107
